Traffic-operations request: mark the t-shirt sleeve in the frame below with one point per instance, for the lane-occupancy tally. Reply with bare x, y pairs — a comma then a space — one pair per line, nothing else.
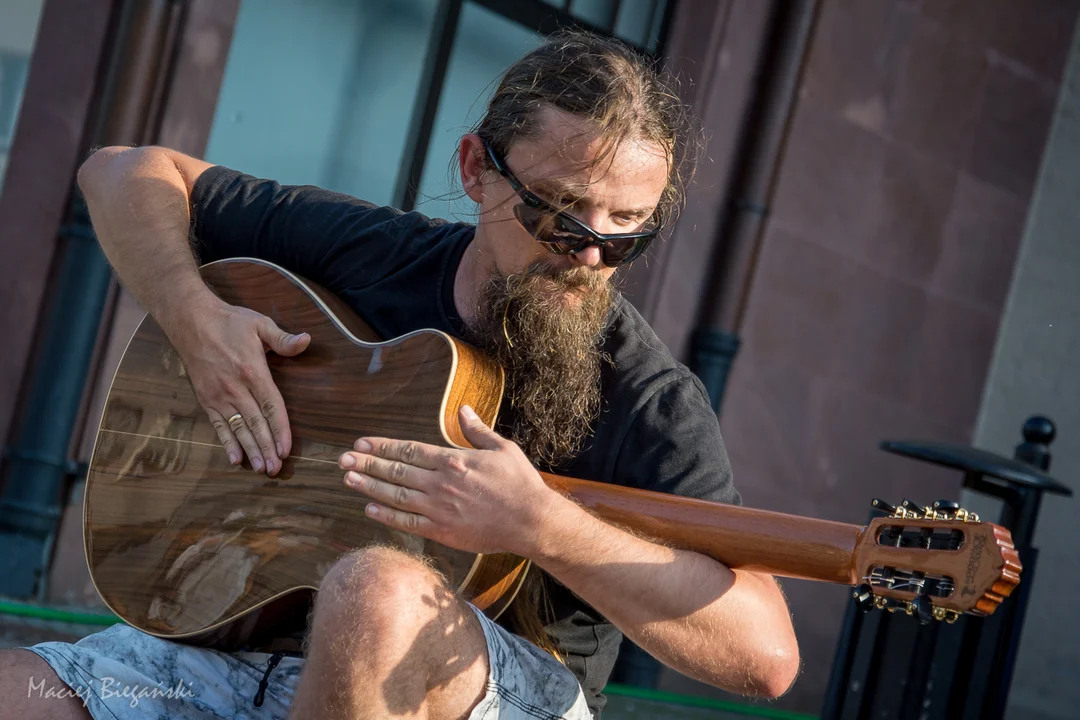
332, 239
673, 445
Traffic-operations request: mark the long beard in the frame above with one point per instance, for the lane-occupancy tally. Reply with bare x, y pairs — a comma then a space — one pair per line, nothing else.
550, 346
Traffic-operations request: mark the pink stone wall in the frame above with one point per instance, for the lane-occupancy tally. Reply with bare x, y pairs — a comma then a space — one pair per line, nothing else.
892, 237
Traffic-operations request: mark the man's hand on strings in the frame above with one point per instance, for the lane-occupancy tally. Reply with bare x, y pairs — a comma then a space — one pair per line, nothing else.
487, 499
225, 356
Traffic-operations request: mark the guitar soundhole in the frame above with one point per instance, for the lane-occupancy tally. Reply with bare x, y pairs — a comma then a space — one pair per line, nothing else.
923, 538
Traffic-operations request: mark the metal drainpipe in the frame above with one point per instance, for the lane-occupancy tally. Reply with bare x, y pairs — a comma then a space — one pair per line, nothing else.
716, 339
37, 465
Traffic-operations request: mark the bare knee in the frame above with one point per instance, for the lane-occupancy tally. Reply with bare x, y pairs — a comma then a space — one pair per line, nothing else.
387, 628
378, 563
31, 689
382, 591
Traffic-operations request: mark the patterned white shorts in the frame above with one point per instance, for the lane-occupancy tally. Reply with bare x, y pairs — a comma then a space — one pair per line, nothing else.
124, 673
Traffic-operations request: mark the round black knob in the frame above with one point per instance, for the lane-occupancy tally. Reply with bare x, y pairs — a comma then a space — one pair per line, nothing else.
923, 609
946, 505
1039, 430
864, 597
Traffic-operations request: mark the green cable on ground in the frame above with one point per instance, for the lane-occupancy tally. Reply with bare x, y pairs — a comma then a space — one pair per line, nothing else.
41, 612
75, 617
659, 696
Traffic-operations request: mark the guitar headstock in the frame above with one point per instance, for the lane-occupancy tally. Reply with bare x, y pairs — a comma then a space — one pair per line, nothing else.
934, 562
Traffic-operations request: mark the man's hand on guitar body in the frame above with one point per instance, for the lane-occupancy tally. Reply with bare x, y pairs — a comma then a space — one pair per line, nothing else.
225, 354
140, 203
485, 500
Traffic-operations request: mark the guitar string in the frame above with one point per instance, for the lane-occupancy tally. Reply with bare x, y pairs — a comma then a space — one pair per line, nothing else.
204, 444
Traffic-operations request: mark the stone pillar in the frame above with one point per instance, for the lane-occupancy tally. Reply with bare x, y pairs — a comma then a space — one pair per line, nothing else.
1036, 371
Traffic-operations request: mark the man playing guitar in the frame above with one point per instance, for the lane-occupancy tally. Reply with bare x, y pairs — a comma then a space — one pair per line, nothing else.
578, 163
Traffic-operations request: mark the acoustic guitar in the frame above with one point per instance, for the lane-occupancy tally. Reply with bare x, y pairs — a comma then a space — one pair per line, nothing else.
183, 545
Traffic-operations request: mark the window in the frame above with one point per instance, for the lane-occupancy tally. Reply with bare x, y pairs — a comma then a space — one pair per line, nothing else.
370, 98
12, 80
18, 28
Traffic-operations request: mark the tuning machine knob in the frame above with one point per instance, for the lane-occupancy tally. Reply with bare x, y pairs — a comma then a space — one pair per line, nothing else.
914, 510
864, 597
908, 510
883, 506
951, 510
949, 616
946, 510
940, 510
921, 608
947, 506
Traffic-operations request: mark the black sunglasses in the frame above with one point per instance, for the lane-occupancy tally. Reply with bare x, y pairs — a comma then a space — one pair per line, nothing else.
563, 234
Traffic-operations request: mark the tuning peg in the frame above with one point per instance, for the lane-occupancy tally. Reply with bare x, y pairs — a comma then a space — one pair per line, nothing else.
864, 597
945, 509
946, 506
883, 506
949, 616
914, 508
922, 608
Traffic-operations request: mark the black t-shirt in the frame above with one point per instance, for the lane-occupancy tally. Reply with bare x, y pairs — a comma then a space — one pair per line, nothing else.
656, 429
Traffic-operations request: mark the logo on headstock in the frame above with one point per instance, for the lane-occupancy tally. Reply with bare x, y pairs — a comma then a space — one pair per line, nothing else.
974, 561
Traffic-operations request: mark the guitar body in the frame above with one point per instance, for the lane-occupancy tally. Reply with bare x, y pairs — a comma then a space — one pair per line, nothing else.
183, 545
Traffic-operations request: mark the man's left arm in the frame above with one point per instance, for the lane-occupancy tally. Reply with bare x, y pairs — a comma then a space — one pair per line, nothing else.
728, 628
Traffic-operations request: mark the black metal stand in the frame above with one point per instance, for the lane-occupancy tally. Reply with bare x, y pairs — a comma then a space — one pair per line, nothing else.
889, 667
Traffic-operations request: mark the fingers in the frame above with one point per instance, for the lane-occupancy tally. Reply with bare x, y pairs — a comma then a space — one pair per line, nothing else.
239, 428
225, 435
244, 431
399, 498
400, 520
417, 454
396, 496
476, 432
272, 412
263, 409
392, 471
271, 404
253, 432
280, 341
232, 381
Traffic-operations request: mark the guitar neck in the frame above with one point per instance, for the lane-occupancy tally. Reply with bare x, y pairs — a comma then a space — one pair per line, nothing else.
741, 538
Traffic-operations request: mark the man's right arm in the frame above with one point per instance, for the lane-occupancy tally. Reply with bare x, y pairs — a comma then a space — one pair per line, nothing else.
139, 202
